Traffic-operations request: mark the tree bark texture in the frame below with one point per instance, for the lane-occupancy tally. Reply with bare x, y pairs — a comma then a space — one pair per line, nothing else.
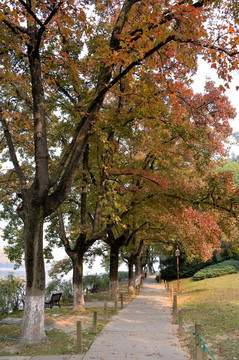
131, 276
138, 266
114, 264
78, 292
35, 274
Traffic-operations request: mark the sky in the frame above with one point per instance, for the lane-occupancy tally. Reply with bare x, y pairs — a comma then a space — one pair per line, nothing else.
204, 72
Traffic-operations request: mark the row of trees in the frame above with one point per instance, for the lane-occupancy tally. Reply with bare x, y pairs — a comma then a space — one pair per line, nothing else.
106, 137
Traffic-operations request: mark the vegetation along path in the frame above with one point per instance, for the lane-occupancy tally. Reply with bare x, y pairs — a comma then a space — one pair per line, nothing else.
140, 331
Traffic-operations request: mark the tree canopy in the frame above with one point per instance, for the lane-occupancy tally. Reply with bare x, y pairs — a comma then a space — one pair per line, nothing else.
120, 71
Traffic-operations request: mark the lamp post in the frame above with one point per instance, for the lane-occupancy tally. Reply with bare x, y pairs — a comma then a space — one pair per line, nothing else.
177, 254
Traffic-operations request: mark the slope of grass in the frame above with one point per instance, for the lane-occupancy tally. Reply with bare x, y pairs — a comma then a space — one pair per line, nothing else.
215, 304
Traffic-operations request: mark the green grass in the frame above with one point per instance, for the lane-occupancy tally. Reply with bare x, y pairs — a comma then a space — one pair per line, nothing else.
214, 303
60, 342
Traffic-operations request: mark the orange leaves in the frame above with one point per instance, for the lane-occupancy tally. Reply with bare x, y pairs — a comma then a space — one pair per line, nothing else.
199, 232
231, 29
158, 180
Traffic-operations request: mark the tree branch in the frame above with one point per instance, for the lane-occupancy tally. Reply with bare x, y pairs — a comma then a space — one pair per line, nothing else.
12, 151
29, 10
17, 29
62, 232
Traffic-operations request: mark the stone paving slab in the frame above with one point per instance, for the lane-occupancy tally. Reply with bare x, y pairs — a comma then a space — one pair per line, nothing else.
10, 320
142, 330
15, 357
44, 357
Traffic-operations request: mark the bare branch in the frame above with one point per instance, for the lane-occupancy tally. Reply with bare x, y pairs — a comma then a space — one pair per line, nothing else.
17, 29
29, 10
62, 232
12, 151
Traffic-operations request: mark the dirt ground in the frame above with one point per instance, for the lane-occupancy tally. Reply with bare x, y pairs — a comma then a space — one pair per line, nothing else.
67, 323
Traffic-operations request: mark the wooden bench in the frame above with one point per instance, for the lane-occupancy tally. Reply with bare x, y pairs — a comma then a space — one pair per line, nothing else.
55, 298
94, 289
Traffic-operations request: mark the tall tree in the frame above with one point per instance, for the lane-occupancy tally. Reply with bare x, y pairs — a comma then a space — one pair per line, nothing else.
42, 54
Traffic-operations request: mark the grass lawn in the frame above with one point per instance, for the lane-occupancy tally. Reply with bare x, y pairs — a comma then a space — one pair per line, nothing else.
62, 334
215, 304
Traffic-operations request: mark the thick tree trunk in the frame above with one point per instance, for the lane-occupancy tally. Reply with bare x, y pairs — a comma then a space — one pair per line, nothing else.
138, 266
78, 292
114, 264
32, 209
131, 276
138, 270
33, 320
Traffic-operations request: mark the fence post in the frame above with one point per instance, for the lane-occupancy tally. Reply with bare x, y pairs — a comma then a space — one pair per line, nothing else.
180, 330
122, 300
175, 306
116, 306
95, 322
172, 292
167, 287
79, 337
105, 312
198, 341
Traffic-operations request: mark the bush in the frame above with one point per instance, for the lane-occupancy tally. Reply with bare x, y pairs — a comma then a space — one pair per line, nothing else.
186, 269
123, 275
101, 280
59, 285
12, 294
158, 278
222, 268
65, 286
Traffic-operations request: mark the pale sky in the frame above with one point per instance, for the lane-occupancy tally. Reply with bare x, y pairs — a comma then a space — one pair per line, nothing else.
204, 72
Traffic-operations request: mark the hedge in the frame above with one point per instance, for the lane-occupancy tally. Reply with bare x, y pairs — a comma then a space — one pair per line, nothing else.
222, 268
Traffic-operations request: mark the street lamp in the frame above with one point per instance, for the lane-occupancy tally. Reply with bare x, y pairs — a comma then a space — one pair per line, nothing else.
177, 254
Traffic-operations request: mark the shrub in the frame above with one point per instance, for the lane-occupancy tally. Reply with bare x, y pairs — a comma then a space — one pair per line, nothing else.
59, 285
186, 269
222, 268
90, 280
123, 275
12, 294
65, 286
101, 280
158, 278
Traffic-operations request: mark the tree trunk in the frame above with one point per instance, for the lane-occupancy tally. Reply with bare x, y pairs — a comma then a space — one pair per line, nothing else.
138, 270
138, 266
131, 276
32, 209
78, 292
114, 264
33, 320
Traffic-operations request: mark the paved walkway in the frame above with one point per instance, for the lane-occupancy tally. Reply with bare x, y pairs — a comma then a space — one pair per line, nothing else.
140, 331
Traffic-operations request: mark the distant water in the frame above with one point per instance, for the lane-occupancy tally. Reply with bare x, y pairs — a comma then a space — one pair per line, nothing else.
5, 271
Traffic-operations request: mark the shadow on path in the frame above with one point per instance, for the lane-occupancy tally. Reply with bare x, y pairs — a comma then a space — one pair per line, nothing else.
143, 329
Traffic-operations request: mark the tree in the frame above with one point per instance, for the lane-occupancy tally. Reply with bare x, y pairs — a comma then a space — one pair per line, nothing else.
79, 223
42, 46
233, 167
130, 254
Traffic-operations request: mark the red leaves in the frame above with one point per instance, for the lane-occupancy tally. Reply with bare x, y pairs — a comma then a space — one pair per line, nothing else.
200, 232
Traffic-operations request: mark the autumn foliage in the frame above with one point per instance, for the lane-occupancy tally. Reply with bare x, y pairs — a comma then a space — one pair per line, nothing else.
115, 76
